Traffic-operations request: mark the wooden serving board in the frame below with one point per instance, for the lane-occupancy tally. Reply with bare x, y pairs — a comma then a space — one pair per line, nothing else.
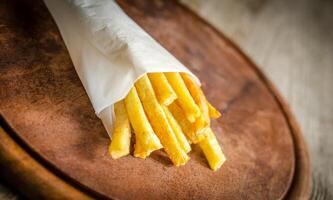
52, 144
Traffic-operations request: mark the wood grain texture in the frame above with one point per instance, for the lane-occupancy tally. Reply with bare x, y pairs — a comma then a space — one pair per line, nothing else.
292, 42
29, 175
57, 122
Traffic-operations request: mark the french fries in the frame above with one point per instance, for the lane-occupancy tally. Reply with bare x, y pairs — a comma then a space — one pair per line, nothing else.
209, 144
170, 111
206, 108
162, 88
182, 140
197, 95
187, 127
146, 140
121, 138
185, 99
199, 98
213, 113
212, 150
159, 122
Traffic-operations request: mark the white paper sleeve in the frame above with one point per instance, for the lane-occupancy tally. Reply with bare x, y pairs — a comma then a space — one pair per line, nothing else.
109, 50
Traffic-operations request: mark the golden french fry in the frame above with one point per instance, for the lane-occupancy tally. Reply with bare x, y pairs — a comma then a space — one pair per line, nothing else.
162, 88
146, 140
213, 113
187, 127
209, 144
121, 137
177, 130
199, 99
212, 150
159, 122
200, 124
184, 97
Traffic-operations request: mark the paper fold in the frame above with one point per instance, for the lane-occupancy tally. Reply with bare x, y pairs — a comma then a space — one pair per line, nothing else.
109, 50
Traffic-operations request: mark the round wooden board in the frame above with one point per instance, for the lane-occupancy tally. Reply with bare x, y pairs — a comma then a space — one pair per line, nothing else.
46, 110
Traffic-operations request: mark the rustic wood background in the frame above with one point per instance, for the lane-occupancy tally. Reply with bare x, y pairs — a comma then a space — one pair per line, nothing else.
292, 42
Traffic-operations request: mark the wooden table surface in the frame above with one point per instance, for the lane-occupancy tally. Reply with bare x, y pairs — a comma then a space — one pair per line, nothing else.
291, 41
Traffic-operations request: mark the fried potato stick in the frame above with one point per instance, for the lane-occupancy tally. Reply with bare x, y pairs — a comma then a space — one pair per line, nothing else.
209, 143
163, 90
121, 137
187, 127
159, 122
213, 112
200, 100
184, 97
182, 140
146, 140
212, 150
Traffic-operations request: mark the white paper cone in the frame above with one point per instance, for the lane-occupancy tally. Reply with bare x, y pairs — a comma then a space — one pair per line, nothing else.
109, 50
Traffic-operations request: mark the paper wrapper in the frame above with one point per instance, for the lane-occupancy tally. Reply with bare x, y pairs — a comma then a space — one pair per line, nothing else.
109, 51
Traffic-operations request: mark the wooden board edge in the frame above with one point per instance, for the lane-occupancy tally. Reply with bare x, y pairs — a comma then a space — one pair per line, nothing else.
302, 180
29, 177
300, 187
